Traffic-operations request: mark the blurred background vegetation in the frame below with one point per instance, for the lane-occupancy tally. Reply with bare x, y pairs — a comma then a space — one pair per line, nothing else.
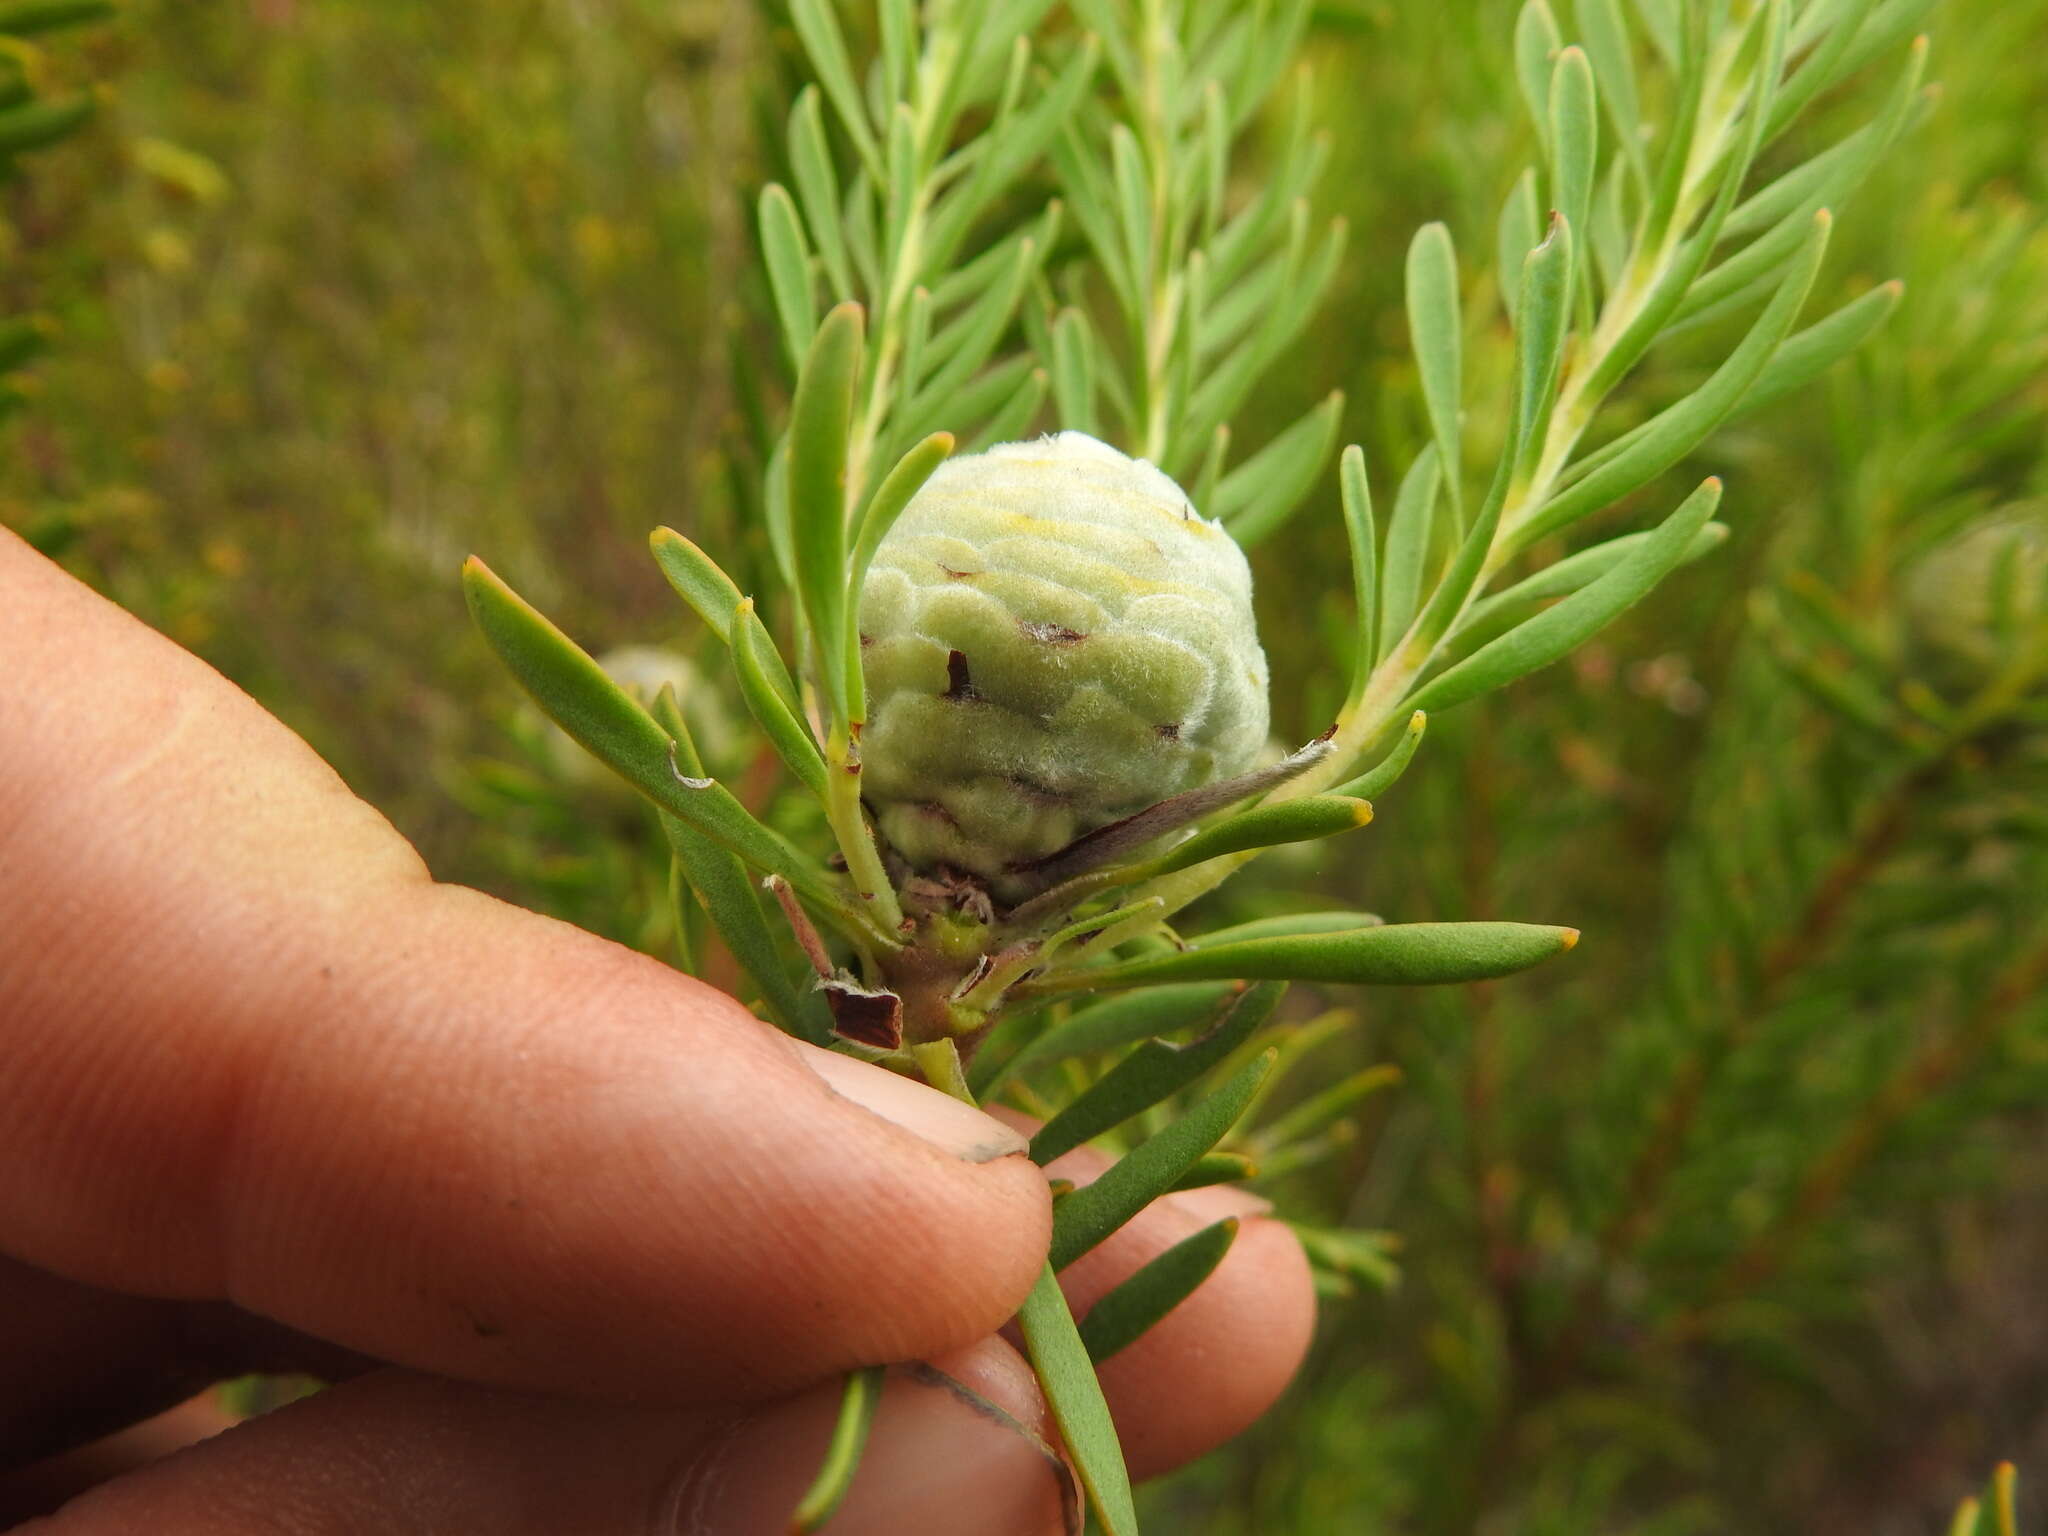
1734, 1221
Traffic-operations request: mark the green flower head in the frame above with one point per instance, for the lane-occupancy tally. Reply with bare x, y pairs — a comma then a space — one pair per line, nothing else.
1053, 638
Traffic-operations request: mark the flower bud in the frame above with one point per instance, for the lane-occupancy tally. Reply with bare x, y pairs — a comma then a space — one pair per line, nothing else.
1053, 638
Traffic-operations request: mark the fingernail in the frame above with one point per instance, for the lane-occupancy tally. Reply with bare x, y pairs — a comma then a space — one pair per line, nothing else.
945, 1122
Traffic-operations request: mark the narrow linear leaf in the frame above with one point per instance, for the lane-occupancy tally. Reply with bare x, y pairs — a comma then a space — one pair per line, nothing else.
1537, 41
1437, 337
1112, 1023
1574, 152
1073, 371
1805, 356
1257, 497
1384, 775
1218, 1168
39, 123
788, 259
1156, 1069
574, 692
857, 1404
896, 492
820, 422
1408, 540
1607, 44
25, 18
1130, 1311
1083, 1219
1545, 310
1403, 954
1317, 1111
1060, 1361
1568, 575
1667, 437
1557, 631
1539, 348
697, 580
727, 895
1521, 227
1013, 418
1286, 925
1355, 492
825, 44
1268, 826
785, 728
817, 186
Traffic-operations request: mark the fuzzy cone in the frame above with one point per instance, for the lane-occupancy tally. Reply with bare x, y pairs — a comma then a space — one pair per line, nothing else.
1053, 639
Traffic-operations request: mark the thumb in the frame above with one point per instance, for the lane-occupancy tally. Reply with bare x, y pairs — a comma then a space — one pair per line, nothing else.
256, 1055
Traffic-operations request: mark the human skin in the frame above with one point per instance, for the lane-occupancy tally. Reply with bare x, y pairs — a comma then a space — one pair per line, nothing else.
584, 1243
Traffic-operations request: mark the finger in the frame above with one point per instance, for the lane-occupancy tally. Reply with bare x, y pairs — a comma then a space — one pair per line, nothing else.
50, 1484
82, 1362
254, 1054
960, 1450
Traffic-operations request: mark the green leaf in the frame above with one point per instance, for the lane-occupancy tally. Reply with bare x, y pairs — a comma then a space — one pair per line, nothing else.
1084, 1218
1607, 44
697, 580
1355, 491
1521, 227
1376, 781
857, 1405
1556, 632
817, 184
825, 45
574, 692
1073, 371
969, 339
1258, 496
1218, 1168
1437, 337
1667, 437
1318, 1110
1014, 416
1129, 1311
1536, 44
1568, 575
1072, 1392
1546, 296
1152, 1072
785, 728
25, 18
898, 488
1267, 826
1730, 283
820, 422
1804, 357
1286, 925
1113, 1022
1408, 541
1545, 311
41, 122
1574, 152
1403, 954
788, 259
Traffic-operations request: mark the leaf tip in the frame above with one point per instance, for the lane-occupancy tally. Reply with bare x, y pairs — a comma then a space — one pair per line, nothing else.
1567, 938
1361, 814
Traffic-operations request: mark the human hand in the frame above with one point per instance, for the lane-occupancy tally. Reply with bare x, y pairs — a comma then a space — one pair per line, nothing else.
578, 1236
